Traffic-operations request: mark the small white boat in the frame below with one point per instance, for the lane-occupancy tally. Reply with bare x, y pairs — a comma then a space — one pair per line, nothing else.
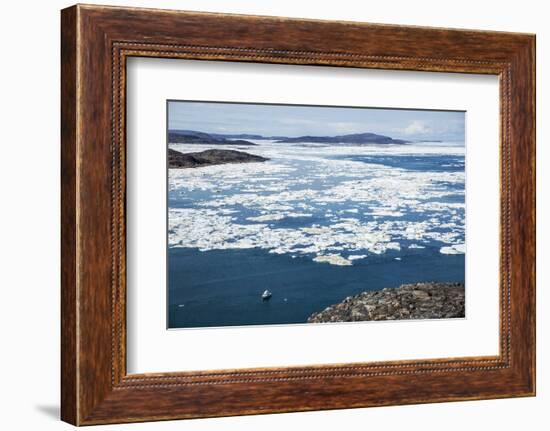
266, 295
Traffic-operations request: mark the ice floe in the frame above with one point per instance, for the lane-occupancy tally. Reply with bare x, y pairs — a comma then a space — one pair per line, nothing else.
333, 259
356, 256
454, 249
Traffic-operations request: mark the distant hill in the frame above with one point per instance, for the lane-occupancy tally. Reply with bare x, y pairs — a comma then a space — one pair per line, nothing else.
356, 138
247, 136
194, 137
236, 136
177, 160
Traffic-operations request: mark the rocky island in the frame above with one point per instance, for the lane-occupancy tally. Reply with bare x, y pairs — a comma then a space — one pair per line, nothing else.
353, 139
201, 138
177, 160
408, 301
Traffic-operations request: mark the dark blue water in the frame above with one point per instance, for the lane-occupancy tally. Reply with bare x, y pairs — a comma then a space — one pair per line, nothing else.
224, 287
415, 162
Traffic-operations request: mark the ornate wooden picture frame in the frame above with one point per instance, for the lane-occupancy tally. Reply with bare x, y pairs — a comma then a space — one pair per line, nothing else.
96, 41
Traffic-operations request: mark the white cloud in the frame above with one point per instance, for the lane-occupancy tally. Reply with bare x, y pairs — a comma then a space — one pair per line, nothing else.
417, 128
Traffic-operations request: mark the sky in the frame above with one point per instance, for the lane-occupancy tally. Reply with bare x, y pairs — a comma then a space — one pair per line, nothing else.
299, 120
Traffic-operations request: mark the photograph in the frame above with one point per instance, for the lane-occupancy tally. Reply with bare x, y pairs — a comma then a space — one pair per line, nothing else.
298, 214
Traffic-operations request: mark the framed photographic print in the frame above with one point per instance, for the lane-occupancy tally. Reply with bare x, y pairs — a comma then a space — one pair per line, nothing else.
264, 215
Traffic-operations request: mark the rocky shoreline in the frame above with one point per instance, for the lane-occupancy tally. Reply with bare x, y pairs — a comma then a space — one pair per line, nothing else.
408, 301
177, 160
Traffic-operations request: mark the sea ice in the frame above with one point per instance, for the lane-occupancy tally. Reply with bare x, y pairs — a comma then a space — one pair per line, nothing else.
356, 256
296, 203
453, 249
333, 259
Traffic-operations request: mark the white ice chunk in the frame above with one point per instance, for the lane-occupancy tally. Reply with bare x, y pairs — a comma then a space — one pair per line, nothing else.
453, 249
333, 259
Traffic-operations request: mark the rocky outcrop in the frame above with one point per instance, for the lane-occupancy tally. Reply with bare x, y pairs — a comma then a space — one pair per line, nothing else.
353, 139
178, 160
201, 138
409, 301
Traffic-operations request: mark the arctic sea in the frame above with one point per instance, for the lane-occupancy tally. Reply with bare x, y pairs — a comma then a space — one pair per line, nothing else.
313, 225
